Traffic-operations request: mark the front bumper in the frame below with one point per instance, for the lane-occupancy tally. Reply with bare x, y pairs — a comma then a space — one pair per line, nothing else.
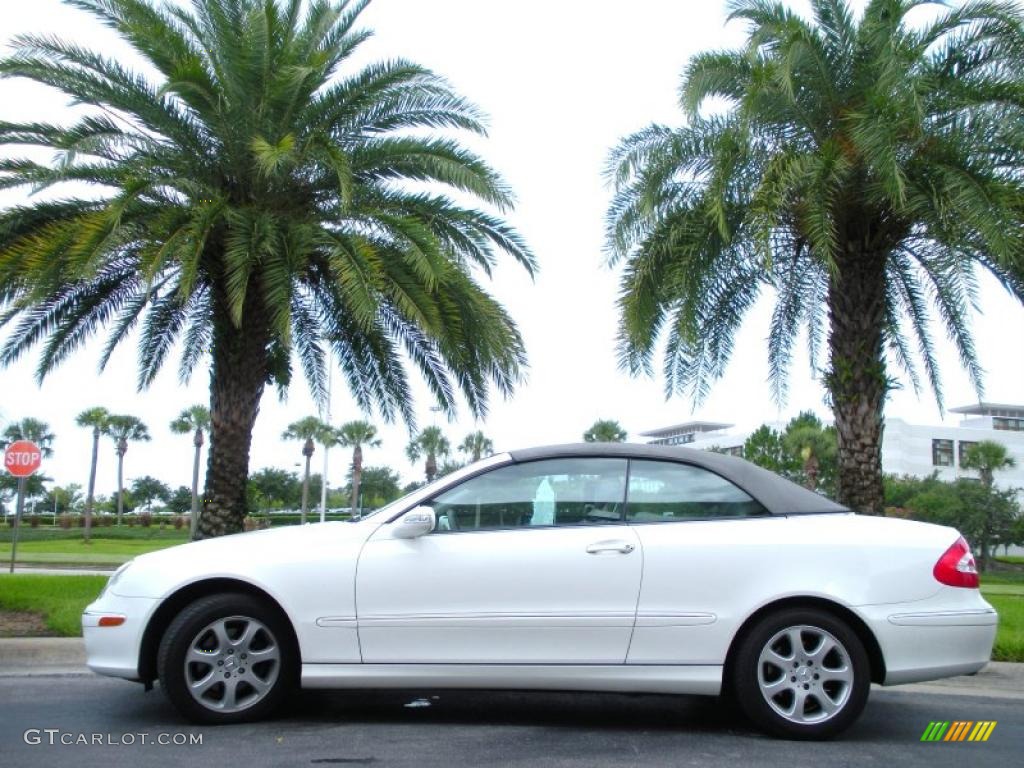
114, 650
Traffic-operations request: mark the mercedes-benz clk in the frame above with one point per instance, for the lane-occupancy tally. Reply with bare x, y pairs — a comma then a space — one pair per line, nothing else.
593, 567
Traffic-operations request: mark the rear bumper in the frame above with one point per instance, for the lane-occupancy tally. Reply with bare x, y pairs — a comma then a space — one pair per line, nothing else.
948, 635
114, 651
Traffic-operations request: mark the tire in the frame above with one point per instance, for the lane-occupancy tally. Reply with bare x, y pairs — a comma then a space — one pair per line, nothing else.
815, 691
227, 658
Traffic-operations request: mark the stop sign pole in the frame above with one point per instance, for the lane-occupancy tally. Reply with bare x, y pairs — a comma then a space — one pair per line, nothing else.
22, 459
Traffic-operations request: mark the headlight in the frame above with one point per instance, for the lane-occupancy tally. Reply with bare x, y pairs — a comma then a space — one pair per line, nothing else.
113, 579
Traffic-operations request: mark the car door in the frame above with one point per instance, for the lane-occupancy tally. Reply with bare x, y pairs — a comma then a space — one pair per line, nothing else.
528, 563
708, 549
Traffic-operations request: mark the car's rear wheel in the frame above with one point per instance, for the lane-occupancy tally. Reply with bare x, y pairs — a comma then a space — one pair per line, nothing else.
227, 658
801, 674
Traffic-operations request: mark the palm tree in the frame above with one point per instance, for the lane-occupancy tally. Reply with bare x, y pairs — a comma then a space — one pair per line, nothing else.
432, 444
97, 419
477, 444
308, 431
195, 419
122, 430
859, 168
354, 435
29, 429
605, 431
987, 457
812, 444
253, 200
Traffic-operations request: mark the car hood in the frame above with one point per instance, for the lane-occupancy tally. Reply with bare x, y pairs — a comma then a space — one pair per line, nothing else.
246, 556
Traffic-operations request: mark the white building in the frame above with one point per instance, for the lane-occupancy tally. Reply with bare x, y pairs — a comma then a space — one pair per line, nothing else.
907, 449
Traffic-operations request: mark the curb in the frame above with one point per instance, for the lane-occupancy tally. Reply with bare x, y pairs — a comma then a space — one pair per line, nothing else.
24, 656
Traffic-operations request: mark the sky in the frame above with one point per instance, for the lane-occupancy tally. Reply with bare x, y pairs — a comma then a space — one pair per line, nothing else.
561, 83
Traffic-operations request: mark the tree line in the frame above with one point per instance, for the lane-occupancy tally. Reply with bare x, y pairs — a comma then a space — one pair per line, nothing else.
367, 487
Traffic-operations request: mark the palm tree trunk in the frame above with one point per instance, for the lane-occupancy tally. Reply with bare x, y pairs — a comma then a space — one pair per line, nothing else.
856, 380
357, 476
811, 472
305, 491
431, 467
92, 482
120, 485
237, 378
194, 521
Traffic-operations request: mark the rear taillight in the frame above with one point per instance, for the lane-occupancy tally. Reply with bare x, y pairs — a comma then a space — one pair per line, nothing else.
956, 567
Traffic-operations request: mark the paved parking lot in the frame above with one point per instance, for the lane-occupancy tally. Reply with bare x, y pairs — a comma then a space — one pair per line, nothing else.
481, 728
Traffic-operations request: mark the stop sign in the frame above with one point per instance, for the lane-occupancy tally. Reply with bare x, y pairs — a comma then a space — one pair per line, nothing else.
22, 458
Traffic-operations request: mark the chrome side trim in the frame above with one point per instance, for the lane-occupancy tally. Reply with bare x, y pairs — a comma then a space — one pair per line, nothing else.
981, 617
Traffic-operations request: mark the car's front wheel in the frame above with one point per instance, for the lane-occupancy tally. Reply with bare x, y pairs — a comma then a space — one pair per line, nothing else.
802, 674
227, 658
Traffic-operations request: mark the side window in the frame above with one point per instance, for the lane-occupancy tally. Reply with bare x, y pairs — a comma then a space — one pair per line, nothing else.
539, 493
662, 491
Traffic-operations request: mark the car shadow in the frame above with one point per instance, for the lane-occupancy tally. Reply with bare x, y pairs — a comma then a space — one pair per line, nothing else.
515, 708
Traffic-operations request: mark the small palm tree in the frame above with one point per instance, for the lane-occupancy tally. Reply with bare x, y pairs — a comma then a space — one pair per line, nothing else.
477, 444
987, 457
812, 444
29, 429
196, 420
261, 198
431, 444
122, 430
308, 431
860, 168
97, 419
605, 431
354, 435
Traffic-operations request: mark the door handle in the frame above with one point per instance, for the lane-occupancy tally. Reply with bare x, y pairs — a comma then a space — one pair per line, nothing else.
622, 547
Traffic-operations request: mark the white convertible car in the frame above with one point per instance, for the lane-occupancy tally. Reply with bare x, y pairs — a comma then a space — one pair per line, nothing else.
594, 567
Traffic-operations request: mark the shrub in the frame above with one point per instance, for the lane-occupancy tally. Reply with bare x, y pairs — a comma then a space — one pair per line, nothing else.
64, 521
33, 521
145, 519
179, 522
249, 524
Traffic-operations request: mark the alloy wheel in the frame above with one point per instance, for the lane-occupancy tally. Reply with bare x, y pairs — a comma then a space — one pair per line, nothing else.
805, 674
232, 663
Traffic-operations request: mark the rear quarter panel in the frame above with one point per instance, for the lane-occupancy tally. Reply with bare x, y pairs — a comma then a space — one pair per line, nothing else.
726, 570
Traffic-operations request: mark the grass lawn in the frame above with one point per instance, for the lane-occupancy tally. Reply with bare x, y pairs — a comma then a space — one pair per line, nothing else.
99, 551
61, 599
1005, 590
1010, 640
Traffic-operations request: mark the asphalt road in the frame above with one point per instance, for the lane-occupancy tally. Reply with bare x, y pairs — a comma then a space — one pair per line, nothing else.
463, 729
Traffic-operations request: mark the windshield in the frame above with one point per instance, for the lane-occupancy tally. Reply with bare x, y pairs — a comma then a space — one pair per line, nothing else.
420, 494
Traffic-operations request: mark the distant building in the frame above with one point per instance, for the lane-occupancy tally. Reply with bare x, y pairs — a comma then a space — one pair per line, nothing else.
907, 449
686, 433
912, 449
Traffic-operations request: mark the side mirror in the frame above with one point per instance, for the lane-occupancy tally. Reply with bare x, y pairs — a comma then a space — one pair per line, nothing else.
417, 522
